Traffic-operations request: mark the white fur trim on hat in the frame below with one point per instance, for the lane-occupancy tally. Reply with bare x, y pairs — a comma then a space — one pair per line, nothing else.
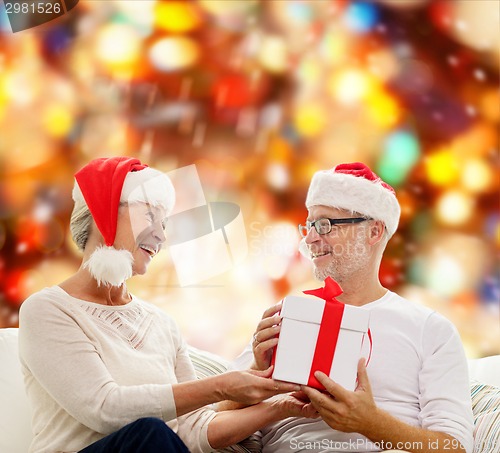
110, 266
145, 186
149, 186
354, 193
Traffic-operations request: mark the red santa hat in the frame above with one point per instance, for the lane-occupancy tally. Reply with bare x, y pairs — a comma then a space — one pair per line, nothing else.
354, 187
102, 185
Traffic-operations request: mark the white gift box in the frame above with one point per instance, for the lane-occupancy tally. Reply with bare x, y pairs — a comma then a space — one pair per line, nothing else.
300, 326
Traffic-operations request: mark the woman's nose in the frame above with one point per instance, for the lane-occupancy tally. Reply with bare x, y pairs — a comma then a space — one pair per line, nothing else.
159, 233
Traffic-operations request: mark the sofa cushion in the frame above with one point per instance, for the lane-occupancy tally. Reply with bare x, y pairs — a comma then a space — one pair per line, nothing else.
207, 364
15, 414
486, 410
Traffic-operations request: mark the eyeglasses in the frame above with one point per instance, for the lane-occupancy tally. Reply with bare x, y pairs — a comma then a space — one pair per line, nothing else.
324, 226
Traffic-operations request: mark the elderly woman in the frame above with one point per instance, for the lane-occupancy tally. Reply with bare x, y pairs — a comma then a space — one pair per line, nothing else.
106, 371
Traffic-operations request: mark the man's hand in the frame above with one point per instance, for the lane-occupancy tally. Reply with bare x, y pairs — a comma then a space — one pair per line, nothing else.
265, 337
356, 412
341, 409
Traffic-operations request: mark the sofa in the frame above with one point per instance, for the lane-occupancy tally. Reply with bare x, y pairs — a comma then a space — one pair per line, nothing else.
15, 432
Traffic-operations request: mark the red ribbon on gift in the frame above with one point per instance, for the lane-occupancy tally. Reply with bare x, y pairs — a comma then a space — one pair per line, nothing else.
328, 331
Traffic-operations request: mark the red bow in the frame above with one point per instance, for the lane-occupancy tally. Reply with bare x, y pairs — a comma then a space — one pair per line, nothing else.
328, 292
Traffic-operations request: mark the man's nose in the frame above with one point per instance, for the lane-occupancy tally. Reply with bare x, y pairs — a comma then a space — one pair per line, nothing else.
312, 236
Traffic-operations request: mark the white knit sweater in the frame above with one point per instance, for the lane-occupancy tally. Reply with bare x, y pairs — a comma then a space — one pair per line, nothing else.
90, 369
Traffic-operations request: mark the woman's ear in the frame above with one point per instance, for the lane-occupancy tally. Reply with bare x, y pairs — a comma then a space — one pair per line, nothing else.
377, 229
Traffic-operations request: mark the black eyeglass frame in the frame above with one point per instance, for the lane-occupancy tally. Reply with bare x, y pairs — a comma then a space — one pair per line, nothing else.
349, 221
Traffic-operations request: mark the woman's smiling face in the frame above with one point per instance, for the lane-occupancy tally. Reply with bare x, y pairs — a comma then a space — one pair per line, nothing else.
140, 230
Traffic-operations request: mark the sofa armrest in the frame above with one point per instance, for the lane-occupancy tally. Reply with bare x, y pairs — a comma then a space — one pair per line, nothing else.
485, 370
15, 411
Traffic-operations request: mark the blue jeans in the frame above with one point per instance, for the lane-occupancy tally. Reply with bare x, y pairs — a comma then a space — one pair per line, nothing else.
146, 435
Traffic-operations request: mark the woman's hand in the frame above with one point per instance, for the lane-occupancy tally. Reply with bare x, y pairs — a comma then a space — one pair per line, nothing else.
253, 386
265, 337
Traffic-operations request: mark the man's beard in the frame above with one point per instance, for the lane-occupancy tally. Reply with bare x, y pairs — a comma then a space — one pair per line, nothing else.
343, 267
340, 270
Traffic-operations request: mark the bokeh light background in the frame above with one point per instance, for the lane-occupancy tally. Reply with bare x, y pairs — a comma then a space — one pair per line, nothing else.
259, 95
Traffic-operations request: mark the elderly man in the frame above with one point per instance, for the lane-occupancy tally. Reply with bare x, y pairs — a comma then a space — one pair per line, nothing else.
414, 394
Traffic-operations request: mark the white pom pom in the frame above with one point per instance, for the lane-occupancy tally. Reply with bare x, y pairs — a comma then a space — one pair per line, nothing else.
110, 266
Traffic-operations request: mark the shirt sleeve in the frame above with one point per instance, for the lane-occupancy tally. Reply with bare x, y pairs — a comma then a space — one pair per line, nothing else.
192, 428
444, 383
50, 339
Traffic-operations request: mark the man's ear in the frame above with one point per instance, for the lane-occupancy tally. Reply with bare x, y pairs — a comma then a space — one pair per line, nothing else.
377, 229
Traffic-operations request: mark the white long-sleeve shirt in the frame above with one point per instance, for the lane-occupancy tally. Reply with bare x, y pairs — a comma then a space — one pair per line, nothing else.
418, 373
90, 369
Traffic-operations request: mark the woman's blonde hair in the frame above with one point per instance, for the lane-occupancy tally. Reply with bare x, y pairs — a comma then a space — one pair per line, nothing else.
80, 224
